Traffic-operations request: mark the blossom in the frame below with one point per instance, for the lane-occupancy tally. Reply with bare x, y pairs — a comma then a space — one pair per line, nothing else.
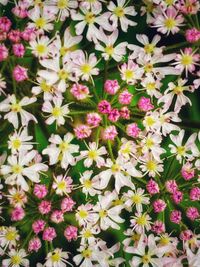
13, 107
119, 13
18, 168
16, 258
62, 184
61, 150
136, 198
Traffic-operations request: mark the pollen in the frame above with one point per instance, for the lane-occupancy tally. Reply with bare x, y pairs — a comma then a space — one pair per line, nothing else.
149, 121
86, 68
146, 259
151, 165
103, 213
178, 89
40, 23
11, 235
142, 220
86, 253
16, 260
90, 18
64, 146
119, 11
16, 107
149, 48
109, 50
87, 183
181, 150
63, 74
186, 60
129, 74
83, 214
92, 154
56, 112
55, 257
137, 199
16, 143
41, 49
170, 23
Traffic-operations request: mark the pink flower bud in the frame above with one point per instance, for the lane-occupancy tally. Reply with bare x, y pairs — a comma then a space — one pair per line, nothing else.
159, 205
17, 214
133, 130
158, 227
186, 235
192, 213
171, 186
20, 73
177, 197
125, 97
40, 190
45, 207
67, 204
57, 216
144, 104
38, 226
152, 187
104, 107
5, 24
18, 50
175, 216
34, 244
79, 91
109, 133
82, 131
195, 194
49, 234
3, 52
71, 233
114, 115
111, 87
187, 172
93, 119
14, 36
125, 113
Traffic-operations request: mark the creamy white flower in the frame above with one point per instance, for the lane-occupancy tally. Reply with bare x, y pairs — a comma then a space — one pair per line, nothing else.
108, 49
93, 154
182, 151
20, 141
149, 165
43, 86
40, 46
21, 166
141, 222
85, 215
151, 85
61, 150
128, 149
108, 215
57, 111
16, 259
130, 72
89, 186
119, 13
57, 258
8, 237
92, 4
13, 107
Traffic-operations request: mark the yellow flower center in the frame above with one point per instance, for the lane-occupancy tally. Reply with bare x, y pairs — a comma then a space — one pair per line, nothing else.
136, 237
170, 23
16, 259
41, 49
89, 18
149, 48
178, 89
62, 4
83, 214
164, 240
149, 142
11, 235
16, 107
117, 202
169, 2
119, 11
109, 50
186, 60
86, 253
149, 121
87, 234
16, 143
103, 213
64, 50
129, 74
181, 150
40, 23
86, 68
45, 87
17, 197
56, 112
63, 74
142, 220
92, 154
17, 169
64, 146
137, 199
151, 165
87, 183
61, 185
148, 67
55, 257
146, 259
150, 86
115, 168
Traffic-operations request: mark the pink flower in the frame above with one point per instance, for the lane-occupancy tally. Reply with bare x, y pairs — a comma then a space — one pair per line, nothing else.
195, 194
71, 233
34, 244
45, 207
40, 190
14, 36
104, 107
38, 226
18, 50
49, 234
144, 104
158, 227
3, 52
17, 214
171, 186
114, 115
28, 34
125, 97
177, 197
20, 11
93, 119
152, 187
57, 216
159, 205
175, 216
109, 133
192, 35
125, 113
187, 172
188, 6
20, 73
5, 24
186, 235
111, 87
192, 213
67, 204
80, 91
82, 131
133, 130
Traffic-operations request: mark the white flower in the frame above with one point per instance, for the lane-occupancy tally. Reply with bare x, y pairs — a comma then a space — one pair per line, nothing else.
61, 150
40, 46
8, 237
43, 86
150, 165
119, 13
94, 4
57, 258
178, 91
15, 107
2, 84
108, 215
20, 141
141, 222
89, 186
55, 74
130, 72
135, 197
16, 259
89, 18
57, 111
85, 215
19, 167
84, 66
88, 255
151, 85
127, 149
187, 151
93, 154
88, 233
62, 184
109, 50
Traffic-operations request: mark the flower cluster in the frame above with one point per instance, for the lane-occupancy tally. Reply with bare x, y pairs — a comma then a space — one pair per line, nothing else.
98, 165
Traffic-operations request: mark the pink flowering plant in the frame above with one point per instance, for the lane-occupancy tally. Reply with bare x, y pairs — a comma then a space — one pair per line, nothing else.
99, 133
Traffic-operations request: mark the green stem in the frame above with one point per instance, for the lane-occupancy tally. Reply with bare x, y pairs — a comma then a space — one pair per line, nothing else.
170, 47
110, 150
